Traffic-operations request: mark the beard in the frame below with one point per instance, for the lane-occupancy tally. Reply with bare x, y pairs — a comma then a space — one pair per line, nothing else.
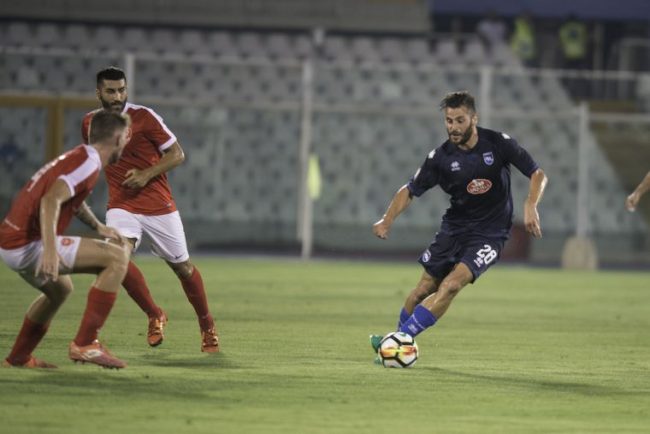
115, 156
464, 136
116, 106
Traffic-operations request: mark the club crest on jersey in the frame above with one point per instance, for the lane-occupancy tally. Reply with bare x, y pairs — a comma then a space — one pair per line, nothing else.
479, 186
488, 157
455, 166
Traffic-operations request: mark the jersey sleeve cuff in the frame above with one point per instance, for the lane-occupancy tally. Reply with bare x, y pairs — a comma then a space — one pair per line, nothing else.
411, 190
167, 144
533, 170
68, 182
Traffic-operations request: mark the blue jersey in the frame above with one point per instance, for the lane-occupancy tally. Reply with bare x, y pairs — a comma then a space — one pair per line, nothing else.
477, 180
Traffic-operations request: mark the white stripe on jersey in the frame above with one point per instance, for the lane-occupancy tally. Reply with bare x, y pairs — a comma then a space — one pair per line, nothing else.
172, 137
80, 174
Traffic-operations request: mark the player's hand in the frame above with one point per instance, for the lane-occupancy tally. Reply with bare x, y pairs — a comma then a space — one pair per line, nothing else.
632, 201
48, 267
136, 178
112, 234
531, 221
381, 229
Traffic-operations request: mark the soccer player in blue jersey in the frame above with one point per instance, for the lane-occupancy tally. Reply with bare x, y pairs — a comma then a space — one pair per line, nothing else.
473, 167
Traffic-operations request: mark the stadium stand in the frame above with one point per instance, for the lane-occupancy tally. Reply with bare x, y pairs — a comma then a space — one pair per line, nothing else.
234, 99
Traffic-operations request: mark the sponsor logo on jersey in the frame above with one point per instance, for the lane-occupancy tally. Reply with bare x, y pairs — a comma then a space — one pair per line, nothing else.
455, 166
488, 157
479, 186
66, 241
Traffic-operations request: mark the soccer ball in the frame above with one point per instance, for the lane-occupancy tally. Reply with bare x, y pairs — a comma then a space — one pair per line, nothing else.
398, 350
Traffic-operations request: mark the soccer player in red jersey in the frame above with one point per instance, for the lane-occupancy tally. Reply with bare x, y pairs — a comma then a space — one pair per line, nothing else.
140, 201
32, 244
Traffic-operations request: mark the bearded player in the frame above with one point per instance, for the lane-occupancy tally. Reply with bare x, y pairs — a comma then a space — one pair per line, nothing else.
473, 167
140, 203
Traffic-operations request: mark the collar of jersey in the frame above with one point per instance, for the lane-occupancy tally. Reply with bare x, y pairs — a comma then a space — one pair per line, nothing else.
93, 154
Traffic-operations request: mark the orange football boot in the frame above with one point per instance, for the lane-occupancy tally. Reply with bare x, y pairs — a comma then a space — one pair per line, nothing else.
155, 334
209, 341
95, 353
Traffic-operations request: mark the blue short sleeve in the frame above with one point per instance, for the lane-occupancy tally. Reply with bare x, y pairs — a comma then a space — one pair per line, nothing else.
516, 155
426, 176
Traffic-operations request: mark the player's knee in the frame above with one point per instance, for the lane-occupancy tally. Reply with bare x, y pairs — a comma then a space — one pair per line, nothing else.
183, 270
451, 287
58, 294
416, 296
119, 257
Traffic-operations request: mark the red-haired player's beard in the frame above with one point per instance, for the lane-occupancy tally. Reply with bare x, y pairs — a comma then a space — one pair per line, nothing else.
116, 106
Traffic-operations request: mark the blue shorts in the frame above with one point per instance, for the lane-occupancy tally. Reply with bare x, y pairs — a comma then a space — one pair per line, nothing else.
478, 252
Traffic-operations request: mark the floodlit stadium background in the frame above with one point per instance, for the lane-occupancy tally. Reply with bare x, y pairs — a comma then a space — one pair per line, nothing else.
300, 119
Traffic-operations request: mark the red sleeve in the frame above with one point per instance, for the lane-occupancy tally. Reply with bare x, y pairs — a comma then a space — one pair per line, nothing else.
84, 128
157, 132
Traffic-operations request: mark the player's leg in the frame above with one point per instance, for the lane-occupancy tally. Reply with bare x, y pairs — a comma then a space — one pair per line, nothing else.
168, 241
134, 282
438, 262
435, 305
137, 288
424, 288
476, 255
192, 283
439, 302
109, 261
36, 323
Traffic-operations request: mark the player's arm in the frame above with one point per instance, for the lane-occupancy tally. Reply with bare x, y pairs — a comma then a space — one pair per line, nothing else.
88, 217
401, 200
172, 157
538, 181
50, 209
633, 199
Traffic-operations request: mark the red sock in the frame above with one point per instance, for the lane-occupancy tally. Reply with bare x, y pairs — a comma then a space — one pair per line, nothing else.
195, 292
98, 307
28, 338
137, 289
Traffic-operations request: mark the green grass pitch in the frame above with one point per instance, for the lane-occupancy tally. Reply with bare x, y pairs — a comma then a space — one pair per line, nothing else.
522, 351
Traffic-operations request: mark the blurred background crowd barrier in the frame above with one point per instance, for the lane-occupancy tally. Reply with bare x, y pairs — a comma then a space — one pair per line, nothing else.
297, 139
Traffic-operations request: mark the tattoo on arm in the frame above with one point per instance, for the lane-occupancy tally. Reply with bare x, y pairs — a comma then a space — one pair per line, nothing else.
86, 215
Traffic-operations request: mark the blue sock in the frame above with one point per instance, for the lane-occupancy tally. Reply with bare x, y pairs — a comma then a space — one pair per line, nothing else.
403, 317
421, 320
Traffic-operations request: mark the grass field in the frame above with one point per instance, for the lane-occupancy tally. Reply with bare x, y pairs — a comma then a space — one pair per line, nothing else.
522, 351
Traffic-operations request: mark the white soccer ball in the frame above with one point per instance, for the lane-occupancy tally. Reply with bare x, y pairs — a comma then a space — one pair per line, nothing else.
398, 350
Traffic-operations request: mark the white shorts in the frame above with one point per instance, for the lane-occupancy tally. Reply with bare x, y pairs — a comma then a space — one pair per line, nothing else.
25, 259
165, 232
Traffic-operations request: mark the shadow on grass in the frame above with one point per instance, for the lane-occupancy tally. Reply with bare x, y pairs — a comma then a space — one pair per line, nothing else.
203, 361
584, 389
191, 378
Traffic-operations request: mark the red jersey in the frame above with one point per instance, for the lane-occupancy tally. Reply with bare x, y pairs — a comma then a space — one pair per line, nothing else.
79, 168
150, 137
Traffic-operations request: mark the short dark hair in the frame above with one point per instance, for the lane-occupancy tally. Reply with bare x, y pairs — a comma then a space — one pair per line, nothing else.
110, 73
458, 99
104, 123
